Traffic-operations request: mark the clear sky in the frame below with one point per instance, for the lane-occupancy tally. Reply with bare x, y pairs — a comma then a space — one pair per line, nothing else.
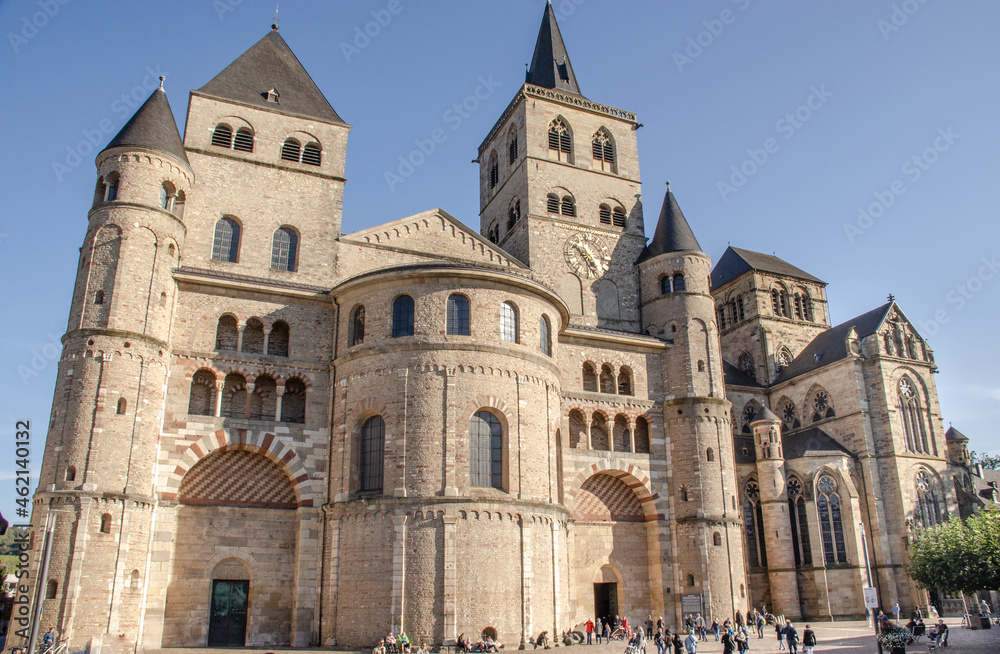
844, 95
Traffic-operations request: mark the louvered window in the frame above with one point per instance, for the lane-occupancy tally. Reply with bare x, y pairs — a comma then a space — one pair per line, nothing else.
603, 149
244, 140
494, 171
290, 150
619, 217
514, 214
568, 206
312, 154
605, 214
559, 138
512, 151
552, 204
222, 136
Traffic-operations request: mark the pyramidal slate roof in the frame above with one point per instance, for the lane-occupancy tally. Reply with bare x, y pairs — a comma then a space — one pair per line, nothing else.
673, 234
271, 64
152, 126
954, 435
812, 442
550, 65
736, 261
831, 345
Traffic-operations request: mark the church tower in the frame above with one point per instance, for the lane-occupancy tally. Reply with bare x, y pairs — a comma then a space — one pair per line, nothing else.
677, 305
98, 469
560, 189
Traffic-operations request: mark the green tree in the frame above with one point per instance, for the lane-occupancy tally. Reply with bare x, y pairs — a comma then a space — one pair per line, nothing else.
989, 461
958, 556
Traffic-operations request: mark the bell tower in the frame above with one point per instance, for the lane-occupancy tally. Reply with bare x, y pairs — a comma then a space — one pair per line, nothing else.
560, 189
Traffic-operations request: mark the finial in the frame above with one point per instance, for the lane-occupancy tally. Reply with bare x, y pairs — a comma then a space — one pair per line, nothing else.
274, 25
668, 186
162, 78
892, 298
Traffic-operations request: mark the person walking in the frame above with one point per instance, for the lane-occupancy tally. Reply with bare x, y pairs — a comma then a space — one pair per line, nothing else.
779, 629
699, 622
660, 641
808, 640
791, 638
49, 639
649, 628
742, 644
607, 632
760, 625
715, 629
590, 631
728, 642
678, 645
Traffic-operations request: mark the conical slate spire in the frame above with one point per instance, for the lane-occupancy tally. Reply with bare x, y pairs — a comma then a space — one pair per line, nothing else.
673, 234
550, 65
766, 414
153, 127
270, 76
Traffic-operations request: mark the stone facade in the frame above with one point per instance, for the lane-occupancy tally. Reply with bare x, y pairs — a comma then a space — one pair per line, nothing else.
265, 432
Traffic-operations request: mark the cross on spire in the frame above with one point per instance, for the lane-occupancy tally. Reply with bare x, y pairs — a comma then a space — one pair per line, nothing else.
274, 25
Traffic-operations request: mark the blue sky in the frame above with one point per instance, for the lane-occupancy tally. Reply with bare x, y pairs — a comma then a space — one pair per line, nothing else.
841, 97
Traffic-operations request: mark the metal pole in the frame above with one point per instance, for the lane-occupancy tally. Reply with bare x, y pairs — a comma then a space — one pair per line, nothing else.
40, 583
868, 571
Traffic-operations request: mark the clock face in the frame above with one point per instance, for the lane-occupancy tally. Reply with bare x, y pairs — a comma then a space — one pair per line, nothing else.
587, 255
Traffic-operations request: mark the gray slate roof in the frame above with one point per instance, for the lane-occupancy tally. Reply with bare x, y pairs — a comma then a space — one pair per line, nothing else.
954, 435
550, 65
271, 64
735, 377
812, 442
153, 127
673, 234
764, 413
831, 346
736, 262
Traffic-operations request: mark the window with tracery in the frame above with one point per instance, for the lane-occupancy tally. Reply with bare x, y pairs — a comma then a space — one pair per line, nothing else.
830, 520
747, 366
799, 522
912, 417
603, 149
560, 140
928, 505
753, 519
749, 413
822, 406
788, 417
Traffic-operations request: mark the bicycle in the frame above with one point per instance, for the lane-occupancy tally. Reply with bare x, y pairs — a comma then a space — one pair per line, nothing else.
62, 647
618, 634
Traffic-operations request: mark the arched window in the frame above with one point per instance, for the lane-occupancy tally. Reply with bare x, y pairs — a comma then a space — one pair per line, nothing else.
234, 396
717, 539
545, 335
372, 454
264, 401
560, 140
788, 417
624, 381
202, 399
912, 417
684, 494
552, 203
52, 586
312, 154
749, 413
798, 522
607, 379
604, 211
599, 433
111, 193
701, 365
222, 136
253, 337
293, 402
70, 474
458, 315
822, 405
284, 249
105, 525
928, 510
568, 207
134, 580
618, 217
779, 302
277, 341
603, 150
494, 170
99, 192
508, 323
620, 435
226, 245
830, 523
244, 140
485, 451
802, 305
512, 150
122, 406
357, 332
402, 316
226, 334
710, 454
179, 201
589, 378
747, 366
291, 150
167, 192
678, 283
665, 285
514, 214
784, 358
641, 436
753, 519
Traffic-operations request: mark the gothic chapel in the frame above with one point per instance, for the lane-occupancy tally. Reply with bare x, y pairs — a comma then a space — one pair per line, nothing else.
265, 432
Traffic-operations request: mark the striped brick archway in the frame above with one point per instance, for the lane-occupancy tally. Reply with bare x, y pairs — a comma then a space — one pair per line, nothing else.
263, 443
632, 475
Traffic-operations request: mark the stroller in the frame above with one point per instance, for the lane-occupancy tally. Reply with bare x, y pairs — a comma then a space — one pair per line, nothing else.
633, 646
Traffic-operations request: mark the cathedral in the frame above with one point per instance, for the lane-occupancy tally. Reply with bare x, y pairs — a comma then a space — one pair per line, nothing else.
267, 432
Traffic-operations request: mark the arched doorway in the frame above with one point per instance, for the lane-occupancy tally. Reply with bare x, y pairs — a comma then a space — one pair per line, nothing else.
227, 621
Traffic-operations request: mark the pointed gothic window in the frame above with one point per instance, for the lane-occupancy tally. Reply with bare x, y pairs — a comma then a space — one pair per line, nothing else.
284, 249
822, 406
753, 520
747, 366
560, 139
912, 417
722, 317
226, 245
513, 214
243, 140
494, 170
372, 454
928, 510
799, 523
830, 520
222, 136
402, 316
512, 150
458, 315
603, 150
291, 150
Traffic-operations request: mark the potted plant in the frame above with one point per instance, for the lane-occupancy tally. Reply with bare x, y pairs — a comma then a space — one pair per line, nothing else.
894, 638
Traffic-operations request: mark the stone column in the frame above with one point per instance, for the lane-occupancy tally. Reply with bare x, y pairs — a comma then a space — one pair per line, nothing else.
240, 327
590, 424
219, 386
398, 571
526, 575
267, 338
307, 577
250, 386
279, 392
630, 425
450, 580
